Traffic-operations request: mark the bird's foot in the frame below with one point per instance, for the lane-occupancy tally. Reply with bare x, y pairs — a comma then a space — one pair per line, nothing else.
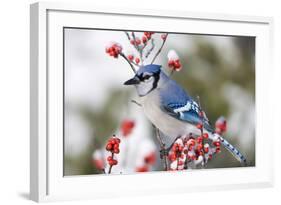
164, 153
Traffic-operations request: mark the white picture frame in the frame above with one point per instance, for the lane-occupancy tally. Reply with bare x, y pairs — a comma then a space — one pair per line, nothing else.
47, 182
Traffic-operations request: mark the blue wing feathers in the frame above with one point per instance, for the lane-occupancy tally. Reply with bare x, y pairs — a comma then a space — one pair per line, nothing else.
177, 103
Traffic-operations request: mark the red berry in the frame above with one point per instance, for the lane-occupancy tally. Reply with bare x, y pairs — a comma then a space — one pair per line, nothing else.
142, 169
206, 149
199, 147
171, 63
110, 49
98, 163
130, 57
205, 135
115, 162
164, 36
172, 157
110, 162
108, 147
199, 139
137, 60
150, 159
109, 158
217, 143
116, 151
138, 41
180, 148
111, 141
118, 140
192, 142
144, 39
199, 125
132, 42
177, 64
221, 125
127, 127
148, 34
218, 149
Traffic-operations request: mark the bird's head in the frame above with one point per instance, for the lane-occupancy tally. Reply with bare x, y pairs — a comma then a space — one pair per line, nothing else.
146, 79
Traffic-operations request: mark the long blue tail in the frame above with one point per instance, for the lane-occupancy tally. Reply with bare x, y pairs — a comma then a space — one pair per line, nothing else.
235, 152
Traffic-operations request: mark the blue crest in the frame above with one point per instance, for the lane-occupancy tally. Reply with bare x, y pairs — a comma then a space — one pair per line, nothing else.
151, 68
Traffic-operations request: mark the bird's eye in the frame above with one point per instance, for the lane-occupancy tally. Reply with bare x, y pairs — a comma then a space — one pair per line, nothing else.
146, 77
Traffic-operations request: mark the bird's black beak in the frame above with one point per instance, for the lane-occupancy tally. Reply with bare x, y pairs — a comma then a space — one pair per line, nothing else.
133, 81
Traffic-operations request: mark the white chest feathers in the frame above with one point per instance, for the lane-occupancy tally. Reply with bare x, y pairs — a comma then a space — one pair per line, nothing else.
167, 124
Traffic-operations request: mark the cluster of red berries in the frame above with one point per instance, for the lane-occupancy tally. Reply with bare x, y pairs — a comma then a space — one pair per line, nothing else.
148, 35
132, 58
176, 152
135, 42
174, 61
177, 156
220, 125
192, 150
114, 49
113, 147
217, 145
174, 64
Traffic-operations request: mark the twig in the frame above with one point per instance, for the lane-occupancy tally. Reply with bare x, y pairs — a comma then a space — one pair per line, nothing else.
162, 147
158, 52
201, 115
110, 168
128, 36
151, 49
137, 47
133, 68
171, 73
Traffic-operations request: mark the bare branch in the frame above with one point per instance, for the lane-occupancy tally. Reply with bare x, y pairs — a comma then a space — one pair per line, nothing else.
202, 129
171, 73
160, 49
137, 47
151, 48
162, 147
110, 168
130, 63
128, 35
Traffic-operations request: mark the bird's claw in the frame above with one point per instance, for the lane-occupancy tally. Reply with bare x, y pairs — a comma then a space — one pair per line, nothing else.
163, 153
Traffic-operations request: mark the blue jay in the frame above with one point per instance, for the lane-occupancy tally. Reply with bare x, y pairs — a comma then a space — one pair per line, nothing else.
170, 108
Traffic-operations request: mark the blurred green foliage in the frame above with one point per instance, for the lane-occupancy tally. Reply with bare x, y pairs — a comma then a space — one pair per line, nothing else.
103, 123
